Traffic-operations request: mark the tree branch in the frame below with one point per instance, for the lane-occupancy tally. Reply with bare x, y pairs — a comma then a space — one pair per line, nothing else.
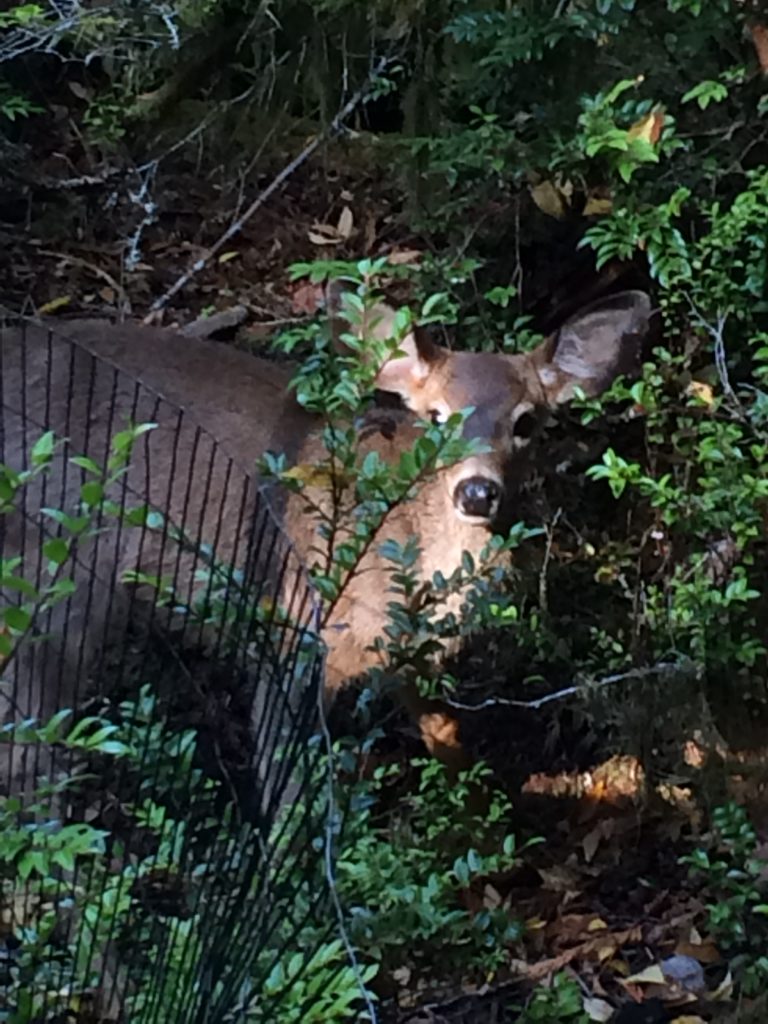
677, 667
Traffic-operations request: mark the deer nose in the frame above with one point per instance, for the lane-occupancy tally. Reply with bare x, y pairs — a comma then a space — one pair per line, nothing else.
477, 497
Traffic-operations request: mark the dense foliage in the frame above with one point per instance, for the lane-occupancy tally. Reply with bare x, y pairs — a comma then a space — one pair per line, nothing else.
534, 153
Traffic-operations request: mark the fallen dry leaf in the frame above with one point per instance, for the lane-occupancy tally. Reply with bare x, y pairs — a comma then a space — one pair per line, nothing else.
560, 878
398, 257
602, 948
307, 298
541, 970
596, 206
597, 924
324, 234
550, 199
652, 975
597, 1009
227, 256
346, 223
572, 927
619, 967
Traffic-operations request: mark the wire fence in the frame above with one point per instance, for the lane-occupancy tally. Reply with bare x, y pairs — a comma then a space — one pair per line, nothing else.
164, 798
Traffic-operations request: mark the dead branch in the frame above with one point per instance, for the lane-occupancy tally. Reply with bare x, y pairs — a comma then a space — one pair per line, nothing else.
683, 667
205, 326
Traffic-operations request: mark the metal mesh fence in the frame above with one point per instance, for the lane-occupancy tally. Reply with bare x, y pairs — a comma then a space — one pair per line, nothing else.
164, 801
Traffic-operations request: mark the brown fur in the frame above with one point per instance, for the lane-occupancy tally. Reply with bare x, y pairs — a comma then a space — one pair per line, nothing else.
243, 403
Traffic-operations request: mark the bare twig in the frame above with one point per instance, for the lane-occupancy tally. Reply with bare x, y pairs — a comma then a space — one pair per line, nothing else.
550, 530
141, 197
277, 182
715, 331
632, 674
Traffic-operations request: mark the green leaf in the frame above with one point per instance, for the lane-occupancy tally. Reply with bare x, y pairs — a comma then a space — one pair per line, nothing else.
51, 731
87, 464
92, 492
43, 449
19, 584
705, 93
60, 589
17, 617
56, 550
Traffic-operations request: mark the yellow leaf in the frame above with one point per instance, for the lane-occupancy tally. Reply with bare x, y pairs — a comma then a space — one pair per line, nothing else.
550, 199
648, 128
618, 967
606, 574
605, 951
534, 924
702, 392
346, 222
596, 925
652, 975
596, 206
227, 256
54, 305
688, 1019
309, 475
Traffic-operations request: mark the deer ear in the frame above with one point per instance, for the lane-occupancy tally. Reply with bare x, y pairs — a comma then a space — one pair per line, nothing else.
404, 372
407, 370
594, 347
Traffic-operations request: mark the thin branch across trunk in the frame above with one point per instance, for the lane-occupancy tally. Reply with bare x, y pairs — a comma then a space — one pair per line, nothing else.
333, 128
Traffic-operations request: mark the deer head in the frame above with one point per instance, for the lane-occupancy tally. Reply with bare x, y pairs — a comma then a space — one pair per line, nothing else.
510, 394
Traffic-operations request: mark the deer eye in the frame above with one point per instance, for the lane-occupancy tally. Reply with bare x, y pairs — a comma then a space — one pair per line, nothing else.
525, 424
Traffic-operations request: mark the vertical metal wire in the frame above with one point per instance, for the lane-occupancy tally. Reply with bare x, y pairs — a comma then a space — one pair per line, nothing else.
262, 881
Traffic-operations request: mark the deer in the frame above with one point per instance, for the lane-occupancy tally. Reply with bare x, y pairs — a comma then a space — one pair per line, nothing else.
245, 404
